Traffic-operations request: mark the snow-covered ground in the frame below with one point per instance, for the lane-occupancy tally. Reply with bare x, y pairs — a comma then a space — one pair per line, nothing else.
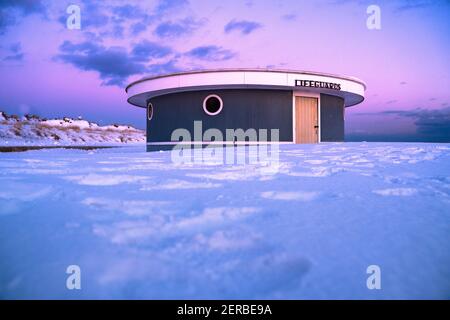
140, 226
35, 131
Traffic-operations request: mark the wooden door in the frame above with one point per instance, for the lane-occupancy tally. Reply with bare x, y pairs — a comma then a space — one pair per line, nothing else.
306, 120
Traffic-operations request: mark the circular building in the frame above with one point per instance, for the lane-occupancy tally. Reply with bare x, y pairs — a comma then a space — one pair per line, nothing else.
291, 106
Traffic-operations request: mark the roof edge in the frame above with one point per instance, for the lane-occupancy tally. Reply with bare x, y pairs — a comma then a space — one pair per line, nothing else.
314, 73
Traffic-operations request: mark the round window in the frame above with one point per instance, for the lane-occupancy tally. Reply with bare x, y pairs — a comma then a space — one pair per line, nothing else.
149, 111
212, 104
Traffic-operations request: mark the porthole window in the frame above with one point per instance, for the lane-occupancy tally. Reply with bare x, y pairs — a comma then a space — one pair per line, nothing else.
149, 111
212, 104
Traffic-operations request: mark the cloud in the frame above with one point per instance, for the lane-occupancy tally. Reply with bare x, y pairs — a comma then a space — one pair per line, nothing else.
133, 12
243, 26
175, 29
137, 28
416, 4
93, 16
289, 17
407, 5
24, 6
16, 53
114, 64
391, 101
168, 5
431, 125
145, 50
14, 57
12, 10
163, 68
16, 47
107, 21
116, 31
211, 53
142, 17
128, 11
118, 21
113, 20
399, 5
6, 20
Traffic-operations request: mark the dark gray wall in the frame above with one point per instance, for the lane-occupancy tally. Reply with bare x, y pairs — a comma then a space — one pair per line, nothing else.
242, 108
331, 118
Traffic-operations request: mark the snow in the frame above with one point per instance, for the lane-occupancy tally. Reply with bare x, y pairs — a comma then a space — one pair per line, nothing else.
396, 192
34, 131
303, 196
140, 226
93, 179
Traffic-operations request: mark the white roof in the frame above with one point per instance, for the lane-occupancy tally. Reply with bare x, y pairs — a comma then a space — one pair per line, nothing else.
351, 89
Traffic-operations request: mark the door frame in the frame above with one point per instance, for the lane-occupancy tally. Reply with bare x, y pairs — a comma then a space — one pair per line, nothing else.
294, 124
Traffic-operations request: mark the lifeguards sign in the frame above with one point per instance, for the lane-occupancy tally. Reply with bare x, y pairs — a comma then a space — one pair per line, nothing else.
317, 84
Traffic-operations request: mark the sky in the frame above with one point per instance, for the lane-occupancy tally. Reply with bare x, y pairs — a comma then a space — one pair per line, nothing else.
53, 71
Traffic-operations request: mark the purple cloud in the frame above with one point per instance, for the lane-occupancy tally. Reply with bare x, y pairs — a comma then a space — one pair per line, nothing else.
245, 27
168, 5
12, 10
211, 53
176, 29
114, 64
16, 53
289, 17
146, 50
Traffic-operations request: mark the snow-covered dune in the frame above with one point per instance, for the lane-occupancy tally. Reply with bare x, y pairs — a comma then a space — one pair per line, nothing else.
32, 130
